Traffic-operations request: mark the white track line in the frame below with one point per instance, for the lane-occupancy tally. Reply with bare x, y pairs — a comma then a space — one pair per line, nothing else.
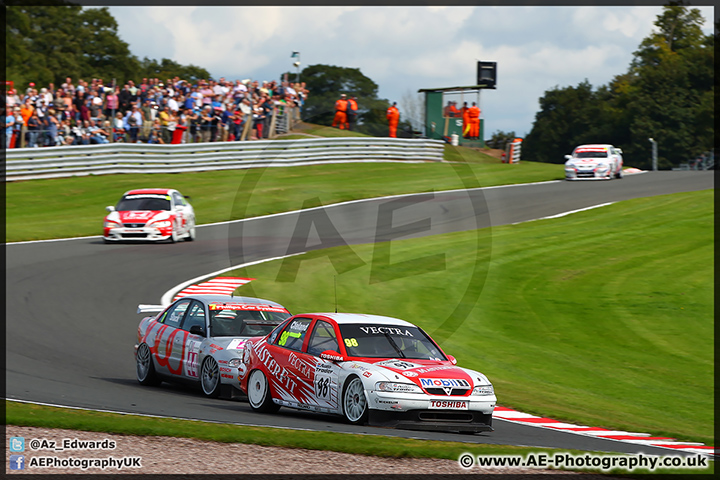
349, 202
166, 299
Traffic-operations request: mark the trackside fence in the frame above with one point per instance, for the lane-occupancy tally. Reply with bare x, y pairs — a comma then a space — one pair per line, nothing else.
69, 161
704, 161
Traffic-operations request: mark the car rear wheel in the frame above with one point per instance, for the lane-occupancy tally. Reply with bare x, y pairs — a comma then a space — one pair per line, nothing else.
145, 369
210, 378
259, 393
354, 402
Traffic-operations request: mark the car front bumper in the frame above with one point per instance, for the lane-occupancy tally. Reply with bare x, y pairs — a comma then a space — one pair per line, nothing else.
588, 174
425, 412
142, 234
435, 420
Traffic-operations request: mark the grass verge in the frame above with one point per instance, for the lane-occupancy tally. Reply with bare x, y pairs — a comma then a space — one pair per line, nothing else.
22, 414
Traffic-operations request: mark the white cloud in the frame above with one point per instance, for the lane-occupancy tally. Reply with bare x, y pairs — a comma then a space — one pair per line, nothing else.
405, 48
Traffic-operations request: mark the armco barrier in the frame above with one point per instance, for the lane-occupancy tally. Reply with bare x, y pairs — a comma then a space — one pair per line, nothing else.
69, 161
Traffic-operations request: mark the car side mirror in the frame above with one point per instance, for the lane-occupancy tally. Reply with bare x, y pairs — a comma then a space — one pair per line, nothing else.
568, 157
197, 330
187, 197
452, 359
332, 355
110, 208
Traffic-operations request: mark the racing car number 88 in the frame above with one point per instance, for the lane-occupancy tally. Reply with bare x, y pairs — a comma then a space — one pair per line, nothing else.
351, 342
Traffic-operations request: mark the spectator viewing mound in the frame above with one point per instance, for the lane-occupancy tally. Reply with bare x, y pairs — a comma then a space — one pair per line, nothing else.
175, 111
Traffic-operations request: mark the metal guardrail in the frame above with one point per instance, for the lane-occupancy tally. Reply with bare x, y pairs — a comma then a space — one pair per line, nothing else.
68, 161
704, 161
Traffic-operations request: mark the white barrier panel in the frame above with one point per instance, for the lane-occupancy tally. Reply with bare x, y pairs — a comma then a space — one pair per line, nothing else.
68, 161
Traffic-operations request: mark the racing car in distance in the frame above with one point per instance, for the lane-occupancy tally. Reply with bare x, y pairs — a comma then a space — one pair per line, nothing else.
594, 162
150, 214
200, 339
367, 368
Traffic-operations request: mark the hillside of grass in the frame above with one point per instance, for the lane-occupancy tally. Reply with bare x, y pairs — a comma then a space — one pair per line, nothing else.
603, 317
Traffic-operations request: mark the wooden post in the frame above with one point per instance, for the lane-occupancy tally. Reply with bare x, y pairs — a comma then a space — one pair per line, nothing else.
273, 121
248, 126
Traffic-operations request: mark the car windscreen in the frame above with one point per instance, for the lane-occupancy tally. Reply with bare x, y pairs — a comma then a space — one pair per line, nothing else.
388, 341
591, 154
244, 323
143, 202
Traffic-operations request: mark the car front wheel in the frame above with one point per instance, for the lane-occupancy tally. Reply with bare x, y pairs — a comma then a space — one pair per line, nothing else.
354, 401
173, 234
145, 369
259, 393
191, 232
210, 378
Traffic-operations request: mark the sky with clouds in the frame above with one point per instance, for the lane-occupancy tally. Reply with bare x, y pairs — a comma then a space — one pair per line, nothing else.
404, 49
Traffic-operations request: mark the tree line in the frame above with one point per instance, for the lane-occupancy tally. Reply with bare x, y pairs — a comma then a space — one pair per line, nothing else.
667, 94
327, 82
45, 44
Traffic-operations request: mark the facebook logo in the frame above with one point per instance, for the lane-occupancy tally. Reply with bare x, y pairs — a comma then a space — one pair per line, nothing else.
17, 462
17, 444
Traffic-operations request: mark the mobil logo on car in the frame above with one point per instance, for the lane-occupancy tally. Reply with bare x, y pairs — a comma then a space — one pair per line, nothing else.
444, 383
449, 386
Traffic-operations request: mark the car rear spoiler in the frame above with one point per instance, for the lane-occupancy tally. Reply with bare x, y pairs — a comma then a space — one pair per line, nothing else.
150, 308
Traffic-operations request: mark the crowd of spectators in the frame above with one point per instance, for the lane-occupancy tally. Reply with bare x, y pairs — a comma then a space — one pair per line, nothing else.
174, 111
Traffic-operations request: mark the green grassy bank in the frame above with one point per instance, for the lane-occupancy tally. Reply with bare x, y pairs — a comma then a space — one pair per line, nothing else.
603, 317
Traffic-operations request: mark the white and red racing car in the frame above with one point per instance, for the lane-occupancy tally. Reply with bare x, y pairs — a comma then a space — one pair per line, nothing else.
368, 368
200, 339
594, 162
150, 214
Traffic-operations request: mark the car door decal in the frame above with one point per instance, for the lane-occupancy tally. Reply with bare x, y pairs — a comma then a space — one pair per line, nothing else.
162, 347
311, 390
190, 357
288, 384
326, 384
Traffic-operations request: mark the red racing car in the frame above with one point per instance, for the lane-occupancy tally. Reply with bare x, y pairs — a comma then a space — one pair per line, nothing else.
367, 368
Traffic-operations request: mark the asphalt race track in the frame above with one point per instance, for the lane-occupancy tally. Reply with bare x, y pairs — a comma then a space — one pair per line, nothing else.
71, 321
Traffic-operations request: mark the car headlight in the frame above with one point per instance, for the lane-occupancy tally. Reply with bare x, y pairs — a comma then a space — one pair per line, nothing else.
234, 363
483, 390
397, 387
111, 224
160, 224
569, 165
